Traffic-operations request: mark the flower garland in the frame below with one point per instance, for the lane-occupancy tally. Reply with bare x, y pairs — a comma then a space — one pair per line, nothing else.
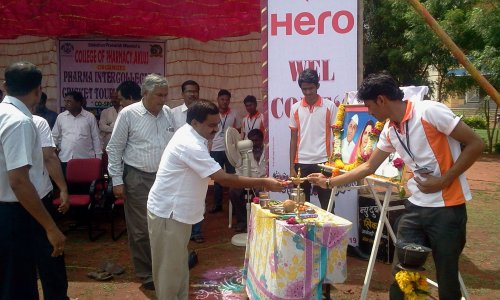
412, 284
336, 157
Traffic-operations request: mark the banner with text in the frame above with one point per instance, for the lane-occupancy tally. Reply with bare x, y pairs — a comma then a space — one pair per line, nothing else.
307, 34
96, 67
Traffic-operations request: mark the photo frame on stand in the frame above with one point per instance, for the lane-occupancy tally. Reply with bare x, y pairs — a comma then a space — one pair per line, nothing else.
355, 137
356, 134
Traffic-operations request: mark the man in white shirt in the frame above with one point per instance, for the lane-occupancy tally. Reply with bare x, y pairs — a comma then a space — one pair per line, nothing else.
348, 142
190, 94
177, 198
76, 133
141, 133
21, 185
52, 270
108, 118
228, 118
258, 166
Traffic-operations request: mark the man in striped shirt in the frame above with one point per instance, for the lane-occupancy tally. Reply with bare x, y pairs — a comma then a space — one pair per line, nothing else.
142, 131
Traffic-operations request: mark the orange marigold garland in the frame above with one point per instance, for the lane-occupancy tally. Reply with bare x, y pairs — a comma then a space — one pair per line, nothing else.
336, 157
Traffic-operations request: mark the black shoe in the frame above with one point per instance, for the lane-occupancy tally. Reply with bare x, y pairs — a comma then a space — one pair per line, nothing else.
356, 252
197, 239
150, 286
215, 209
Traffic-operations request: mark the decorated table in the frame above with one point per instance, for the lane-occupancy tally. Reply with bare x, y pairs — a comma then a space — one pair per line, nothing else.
292, 261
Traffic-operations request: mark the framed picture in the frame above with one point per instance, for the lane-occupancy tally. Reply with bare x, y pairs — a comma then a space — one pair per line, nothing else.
356, 140
357, 126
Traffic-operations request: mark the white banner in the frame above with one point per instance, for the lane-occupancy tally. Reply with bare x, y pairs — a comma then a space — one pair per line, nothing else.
307, 34
96, 67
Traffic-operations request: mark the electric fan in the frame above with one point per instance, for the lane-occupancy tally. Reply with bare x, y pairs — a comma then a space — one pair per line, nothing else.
238, 153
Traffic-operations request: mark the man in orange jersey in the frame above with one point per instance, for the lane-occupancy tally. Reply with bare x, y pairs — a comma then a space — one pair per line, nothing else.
427, 136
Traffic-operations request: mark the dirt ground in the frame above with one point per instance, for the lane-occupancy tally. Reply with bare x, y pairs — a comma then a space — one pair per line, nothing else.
218, 274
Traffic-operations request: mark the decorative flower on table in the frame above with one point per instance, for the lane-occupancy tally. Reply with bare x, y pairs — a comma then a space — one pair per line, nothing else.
413, 284
292, 220
399, 164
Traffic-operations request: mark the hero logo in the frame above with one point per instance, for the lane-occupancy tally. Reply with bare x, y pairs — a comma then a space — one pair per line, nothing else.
305, 23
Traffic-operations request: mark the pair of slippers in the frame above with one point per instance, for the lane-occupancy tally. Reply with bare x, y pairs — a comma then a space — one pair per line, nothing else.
106, 272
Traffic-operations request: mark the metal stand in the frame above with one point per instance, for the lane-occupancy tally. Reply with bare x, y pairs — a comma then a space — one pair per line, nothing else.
384, 209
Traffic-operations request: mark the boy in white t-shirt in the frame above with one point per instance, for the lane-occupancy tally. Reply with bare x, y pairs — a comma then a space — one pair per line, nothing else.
311, 121
228, 118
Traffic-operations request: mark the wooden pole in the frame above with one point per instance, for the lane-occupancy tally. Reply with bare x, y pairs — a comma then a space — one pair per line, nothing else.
456, 51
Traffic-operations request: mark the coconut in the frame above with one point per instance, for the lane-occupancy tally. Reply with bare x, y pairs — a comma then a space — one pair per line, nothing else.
289, 206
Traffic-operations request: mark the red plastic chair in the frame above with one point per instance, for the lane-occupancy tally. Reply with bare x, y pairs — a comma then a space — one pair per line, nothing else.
85, 171
113, 204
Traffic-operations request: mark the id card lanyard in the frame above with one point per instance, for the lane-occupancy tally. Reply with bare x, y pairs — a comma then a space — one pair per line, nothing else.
223, 124
406, 145
248, 123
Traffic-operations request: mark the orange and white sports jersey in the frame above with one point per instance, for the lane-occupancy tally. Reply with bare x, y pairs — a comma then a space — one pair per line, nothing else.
314, 130
422, 140
248, 123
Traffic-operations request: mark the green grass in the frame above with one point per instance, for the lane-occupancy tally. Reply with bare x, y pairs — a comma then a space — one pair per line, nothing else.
482, 133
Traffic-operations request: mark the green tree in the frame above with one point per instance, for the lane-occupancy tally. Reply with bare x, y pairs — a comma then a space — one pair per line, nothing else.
398, 40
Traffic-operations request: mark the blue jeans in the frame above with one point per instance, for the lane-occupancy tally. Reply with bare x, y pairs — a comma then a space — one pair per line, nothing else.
443, 230
221, 158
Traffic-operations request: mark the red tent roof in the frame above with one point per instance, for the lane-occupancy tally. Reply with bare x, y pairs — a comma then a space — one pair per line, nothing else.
202, 20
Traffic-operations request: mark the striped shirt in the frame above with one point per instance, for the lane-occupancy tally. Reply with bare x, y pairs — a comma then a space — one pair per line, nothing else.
77, 137
138, 140
313, 124
422, 140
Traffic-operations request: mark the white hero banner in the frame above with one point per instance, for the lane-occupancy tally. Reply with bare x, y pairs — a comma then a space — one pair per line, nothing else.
320, 35
306, 34
96, 67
